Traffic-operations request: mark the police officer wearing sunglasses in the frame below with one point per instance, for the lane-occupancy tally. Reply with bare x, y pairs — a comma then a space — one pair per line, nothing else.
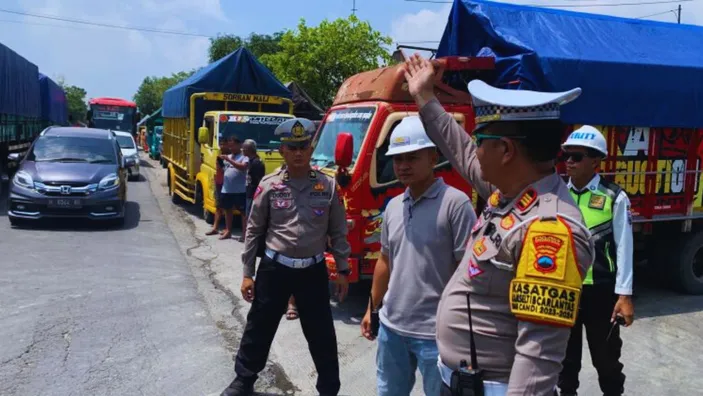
528, 252
295, 211
607, 288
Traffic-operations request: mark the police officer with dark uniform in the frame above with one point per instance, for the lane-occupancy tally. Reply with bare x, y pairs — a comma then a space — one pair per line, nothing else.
528, 252
296, 212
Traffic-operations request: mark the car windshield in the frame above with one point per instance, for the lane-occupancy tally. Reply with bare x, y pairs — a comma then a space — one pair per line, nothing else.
72, 149
125, 142
354, 120
259, 128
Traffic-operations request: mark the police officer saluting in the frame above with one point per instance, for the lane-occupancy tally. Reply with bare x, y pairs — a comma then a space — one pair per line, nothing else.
294, 212
529, 250
607, 288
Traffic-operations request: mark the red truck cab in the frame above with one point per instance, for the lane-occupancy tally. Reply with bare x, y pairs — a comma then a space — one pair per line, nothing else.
353, 138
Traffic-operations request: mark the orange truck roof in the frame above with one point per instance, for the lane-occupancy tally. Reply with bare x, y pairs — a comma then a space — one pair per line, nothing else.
388, 84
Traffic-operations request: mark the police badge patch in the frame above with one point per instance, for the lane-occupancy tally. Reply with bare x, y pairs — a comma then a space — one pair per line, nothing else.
596, 202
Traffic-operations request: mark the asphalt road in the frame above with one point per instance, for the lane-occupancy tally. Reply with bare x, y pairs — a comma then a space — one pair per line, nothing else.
87, 310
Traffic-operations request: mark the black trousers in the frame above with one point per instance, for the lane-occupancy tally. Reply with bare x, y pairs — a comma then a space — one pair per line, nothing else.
597, 303
273, 287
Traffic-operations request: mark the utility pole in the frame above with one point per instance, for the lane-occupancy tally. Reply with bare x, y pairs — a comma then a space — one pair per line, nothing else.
354, 7
679, 14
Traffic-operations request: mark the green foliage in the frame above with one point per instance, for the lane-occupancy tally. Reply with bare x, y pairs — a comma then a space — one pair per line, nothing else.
258, 44
150, 93
321, 58
75, 97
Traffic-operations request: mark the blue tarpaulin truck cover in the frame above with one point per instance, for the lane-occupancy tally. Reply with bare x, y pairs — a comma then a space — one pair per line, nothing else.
54, 107
19, 85
238, 72
632, 72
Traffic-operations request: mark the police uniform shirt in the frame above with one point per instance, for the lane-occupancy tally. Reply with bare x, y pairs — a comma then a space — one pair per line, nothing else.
524, 354
295, 217
622, 234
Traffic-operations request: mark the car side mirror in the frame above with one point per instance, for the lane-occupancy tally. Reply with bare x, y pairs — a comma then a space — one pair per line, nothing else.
203, 135
344, 150
15, 157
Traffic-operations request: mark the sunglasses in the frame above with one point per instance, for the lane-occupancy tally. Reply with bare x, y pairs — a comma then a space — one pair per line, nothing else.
480, 137
575, 157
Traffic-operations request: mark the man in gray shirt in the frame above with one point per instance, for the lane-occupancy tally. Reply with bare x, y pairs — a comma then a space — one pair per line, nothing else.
234, 187
423, 238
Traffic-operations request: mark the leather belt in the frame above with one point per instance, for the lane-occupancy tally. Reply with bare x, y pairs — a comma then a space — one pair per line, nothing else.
297, 263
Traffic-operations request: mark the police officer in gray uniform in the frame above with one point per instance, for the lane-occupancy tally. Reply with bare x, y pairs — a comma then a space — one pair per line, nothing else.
294, 212
529, 250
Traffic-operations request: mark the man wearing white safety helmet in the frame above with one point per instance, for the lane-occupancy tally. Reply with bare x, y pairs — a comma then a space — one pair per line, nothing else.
607, 287
423, 238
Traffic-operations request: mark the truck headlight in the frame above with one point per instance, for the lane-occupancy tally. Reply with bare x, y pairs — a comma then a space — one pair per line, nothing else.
109, 182
23, 179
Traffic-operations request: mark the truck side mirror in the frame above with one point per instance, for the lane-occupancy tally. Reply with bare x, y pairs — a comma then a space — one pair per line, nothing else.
203, 135
344, 150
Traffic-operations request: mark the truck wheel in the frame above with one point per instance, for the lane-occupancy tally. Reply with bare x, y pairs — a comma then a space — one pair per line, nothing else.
688, 269
200, 202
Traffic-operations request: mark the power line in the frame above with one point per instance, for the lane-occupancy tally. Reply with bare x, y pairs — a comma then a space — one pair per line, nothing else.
143, 29
570, 5
658, 13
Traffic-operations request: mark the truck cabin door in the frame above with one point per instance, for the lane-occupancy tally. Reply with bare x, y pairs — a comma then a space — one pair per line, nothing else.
208, 150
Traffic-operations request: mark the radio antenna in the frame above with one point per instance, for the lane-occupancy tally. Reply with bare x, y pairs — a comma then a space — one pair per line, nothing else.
472, 343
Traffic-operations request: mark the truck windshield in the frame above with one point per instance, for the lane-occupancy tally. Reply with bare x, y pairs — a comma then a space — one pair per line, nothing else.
117, 118
259, 128
355, 120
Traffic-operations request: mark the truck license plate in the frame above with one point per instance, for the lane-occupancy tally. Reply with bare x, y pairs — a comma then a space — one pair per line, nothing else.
65, 203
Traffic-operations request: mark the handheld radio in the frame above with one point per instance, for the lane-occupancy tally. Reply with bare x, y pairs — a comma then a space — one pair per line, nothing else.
468, 380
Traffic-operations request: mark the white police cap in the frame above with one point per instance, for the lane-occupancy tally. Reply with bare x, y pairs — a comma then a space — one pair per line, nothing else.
495, 104
409, 136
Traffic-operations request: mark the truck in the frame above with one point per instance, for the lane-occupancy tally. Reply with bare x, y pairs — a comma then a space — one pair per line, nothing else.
29, 102
234, 96
113, 113
639, 90
154, 132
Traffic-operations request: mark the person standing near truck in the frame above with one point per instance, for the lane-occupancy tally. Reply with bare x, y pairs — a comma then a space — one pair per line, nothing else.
529, 251
423, 238
295, 213
234, 188
607, 289
219, 180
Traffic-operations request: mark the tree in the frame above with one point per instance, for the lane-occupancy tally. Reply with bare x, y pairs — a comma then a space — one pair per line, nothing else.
320, 58
258, 44
75, 98
150, 94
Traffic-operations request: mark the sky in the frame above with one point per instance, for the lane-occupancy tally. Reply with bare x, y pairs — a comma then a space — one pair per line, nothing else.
113, 62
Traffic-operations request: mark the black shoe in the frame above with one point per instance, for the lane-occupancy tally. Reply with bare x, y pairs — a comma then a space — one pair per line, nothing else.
239, 387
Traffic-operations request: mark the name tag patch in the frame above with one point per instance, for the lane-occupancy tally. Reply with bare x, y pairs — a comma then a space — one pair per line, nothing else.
544, 301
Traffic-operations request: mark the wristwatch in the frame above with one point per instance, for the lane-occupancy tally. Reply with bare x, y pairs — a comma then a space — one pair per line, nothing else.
344, 272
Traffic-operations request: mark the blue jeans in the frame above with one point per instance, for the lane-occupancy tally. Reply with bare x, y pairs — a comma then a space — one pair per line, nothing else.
397, 359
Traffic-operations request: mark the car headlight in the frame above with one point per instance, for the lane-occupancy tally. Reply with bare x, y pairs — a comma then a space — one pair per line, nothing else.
23, 179
109, 182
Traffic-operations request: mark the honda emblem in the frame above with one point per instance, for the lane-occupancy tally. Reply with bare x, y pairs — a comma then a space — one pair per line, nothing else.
65, 190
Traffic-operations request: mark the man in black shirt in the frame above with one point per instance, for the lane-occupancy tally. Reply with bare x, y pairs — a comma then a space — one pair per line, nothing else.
255, 172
